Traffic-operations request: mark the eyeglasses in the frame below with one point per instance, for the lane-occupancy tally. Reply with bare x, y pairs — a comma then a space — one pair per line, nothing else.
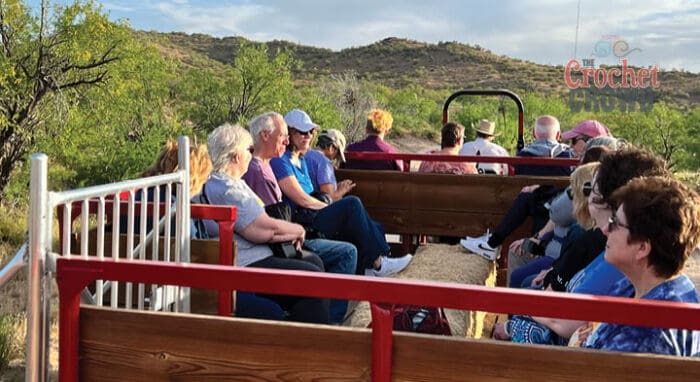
587, 188
614, 223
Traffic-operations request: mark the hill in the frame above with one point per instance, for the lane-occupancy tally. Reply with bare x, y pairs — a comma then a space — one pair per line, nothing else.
397, 62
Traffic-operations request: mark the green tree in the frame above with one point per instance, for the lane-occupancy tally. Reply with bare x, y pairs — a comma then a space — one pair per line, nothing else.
254, 82
55, 54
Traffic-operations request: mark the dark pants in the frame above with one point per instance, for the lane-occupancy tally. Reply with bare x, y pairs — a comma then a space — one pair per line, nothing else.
347, 220
526, 204
301, 309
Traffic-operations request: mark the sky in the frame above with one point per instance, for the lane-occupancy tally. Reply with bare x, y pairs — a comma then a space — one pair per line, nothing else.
646, 32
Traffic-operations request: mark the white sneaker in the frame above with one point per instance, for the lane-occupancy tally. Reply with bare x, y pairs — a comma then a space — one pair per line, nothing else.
390, 266
480, 246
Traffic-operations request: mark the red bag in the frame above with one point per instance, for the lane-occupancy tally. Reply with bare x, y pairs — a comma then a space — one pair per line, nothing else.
420, 319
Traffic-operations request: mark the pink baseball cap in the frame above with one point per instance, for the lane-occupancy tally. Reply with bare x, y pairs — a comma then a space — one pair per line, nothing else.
589, 127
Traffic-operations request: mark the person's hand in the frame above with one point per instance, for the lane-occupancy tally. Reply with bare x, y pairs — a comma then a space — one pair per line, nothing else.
539, 279
301, 234
499, 332
517, 247
530, 188
344, 186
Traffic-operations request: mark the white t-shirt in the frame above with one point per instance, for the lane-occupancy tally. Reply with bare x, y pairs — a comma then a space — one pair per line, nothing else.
482, 147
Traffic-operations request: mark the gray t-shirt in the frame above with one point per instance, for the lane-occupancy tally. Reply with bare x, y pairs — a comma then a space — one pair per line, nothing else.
221, 189
561, 213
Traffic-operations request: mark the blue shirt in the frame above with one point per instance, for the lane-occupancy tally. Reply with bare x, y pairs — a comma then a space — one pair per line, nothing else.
283, 168
320, 169
638, 339
599, 278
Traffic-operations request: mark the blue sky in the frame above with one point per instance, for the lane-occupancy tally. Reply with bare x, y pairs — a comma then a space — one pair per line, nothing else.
664, 33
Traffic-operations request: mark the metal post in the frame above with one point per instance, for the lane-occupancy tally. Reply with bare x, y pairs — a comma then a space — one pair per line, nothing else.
38, 222
183, 213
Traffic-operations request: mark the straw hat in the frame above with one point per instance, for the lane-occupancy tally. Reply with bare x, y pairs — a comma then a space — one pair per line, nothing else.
486, 127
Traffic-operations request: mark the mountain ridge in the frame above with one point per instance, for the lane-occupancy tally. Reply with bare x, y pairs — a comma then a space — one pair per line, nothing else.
399, 62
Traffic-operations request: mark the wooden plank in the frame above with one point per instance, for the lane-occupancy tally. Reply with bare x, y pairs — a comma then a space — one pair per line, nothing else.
425, 358
444, 223
147, 346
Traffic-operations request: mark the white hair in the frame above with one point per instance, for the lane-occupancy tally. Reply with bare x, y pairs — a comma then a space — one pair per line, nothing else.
547, 127
226, 141
263, 122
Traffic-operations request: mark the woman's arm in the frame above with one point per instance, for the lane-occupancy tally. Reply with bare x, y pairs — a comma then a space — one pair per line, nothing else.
564, 328
291, 189
265, 229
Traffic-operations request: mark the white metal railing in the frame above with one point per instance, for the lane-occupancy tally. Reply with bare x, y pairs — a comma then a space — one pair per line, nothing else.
42, 256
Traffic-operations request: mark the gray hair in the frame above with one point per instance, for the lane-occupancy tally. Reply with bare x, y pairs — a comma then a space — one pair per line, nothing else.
263, 122
546, 126
609, 142
226, 141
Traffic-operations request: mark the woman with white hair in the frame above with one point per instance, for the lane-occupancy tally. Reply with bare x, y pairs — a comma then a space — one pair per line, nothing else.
229, 150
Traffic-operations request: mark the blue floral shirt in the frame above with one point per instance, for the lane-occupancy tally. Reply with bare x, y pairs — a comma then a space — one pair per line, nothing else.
652, 340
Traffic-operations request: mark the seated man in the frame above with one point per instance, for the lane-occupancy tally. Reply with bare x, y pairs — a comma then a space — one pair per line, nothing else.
452, 136
546, 145
270, 136
651, 234
378, 125
483, 145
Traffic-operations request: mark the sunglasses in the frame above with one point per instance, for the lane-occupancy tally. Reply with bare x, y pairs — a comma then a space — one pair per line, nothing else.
304, 133
583, 138
587, 189
570, 193
614, 223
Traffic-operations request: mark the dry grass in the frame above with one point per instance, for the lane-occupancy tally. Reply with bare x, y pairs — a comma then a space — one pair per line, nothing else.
14, 294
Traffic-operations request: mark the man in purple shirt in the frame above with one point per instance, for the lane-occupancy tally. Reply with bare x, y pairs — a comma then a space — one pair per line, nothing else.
378, 125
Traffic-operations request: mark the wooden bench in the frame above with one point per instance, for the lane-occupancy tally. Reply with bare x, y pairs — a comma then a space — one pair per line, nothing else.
443, 204
147, 346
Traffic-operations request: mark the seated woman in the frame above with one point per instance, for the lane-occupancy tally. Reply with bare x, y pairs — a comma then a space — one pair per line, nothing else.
345, 219
452, 137
269, 133
229, 152
378, 125
248, 304
323, 162
651, 234
583, 242
599, 277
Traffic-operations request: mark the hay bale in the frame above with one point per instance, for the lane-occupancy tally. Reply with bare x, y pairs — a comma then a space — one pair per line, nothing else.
447, 263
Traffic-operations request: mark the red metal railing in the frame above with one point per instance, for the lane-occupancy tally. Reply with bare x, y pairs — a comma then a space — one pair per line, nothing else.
73, 274
407, 158
224, 216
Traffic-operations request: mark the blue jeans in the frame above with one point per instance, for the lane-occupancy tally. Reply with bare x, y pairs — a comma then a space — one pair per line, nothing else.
338, 257
520, 274
347, 220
